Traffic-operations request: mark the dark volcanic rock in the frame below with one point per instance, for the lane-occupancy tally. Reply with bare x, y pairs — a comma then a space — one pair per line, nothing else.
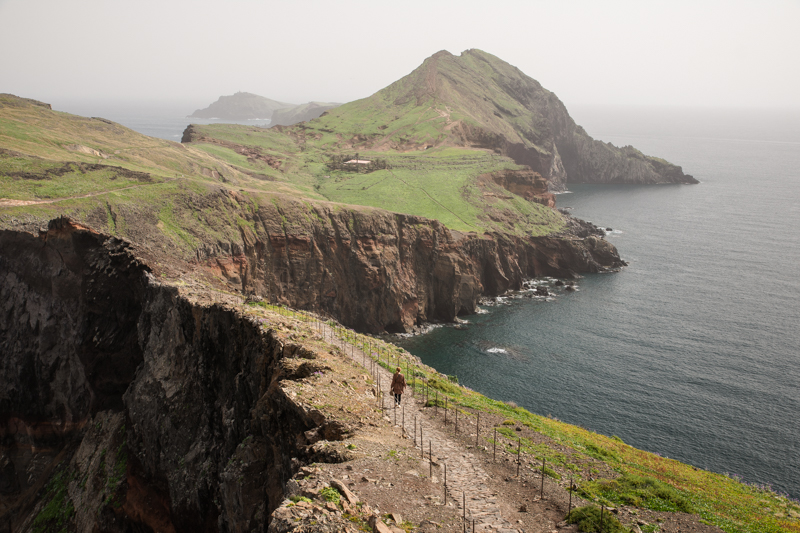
163, 415
379, 271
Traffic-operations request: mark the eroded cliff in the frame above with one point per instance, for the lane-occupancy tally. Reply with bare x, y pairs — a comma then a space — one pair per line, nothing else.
144, 409
375, 270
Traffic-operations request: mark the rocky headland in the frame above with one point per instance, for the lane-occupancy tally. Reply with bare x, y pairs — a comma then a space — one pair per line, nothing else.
249, 106
130, 404
479, 101
241, 106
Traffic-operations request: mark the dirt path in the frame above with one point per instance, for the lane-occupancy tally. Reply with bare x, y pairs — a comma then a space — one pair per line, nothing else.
5, 202
468, 483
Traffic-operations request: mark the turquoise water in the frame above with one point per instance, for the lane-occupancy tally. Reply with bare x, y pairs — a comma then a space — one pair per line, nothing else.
692, 350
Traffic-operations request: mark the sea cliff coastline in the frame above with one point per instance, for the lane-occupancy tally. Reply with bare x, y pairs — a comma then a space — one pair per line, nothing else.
179, 408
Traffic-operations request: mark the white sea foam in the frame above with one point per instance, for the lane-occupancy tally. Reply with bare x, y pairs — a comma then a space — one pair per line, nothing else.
496, 350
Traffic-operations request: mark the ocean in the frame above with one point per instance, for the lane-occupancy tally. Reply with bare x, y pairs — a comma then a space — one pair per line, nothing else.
165, 121
691, 351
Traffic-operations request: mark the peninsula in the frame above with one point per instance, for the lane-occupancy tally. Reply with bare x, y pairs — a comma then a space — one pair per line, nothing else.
248, 106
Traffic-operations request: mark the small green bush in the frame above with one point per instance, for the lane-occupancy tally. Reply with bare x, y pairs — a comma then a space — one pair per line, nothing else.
639, 491
331, 495
442, 385
296, 499
432, 402
551, 473
588, 520
508, 422
600, 453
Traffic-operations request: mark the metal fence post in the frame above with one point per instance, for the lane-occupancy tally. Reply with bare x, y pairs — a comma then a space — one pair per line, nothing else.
542, 495
569, 507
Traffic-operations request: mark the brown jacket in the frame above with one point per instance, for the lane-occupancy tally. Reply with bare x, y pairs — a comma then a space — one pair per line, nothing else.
398, 383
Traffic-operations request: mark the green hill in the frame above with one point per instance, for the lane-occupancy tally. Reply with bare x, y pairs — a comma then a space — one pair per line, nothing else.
476, 100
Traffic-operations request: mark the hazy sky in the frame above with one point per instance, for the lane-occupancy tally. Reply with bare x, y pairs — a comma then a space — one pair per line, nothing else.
713, 53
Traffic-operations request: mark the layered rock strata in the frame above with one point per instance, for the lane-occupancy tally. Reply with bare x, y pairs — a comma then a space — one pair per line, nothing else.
146, 411
378, 271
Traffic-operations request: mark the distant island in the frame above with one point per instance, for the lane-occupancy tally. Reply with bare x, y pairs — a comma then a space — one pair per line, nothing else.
248, 106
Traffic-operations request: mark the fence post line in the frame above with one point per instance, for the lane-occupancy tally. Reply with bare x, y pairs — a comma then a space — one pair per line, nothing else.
477, 430
430, 458
519, 449
494, 447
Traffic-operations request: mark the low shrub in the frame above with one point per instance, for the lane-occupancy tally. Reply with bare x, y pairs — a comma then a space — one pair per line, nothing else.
639, 491
589, 520
331, 495
442, 385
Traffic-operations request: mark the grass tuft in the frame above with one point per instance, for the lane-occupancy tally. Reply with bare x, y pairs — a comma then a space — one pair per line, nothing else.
589, 520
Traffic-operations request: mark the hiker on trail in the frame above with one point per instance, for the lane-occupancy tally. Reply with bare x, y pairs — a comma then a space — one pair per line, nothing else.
398, 385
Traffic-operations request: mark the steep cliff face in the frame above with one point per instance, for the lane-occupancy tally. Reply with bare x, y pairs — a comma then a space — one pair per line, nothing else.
375, 270
155, 408
526, 183
70, 302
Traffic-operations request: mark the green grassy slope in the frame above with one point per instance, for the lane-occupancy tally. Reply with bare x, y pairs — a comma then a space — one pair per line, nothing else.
475, 89
38, 144
163, 195
440, 183
605, 469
